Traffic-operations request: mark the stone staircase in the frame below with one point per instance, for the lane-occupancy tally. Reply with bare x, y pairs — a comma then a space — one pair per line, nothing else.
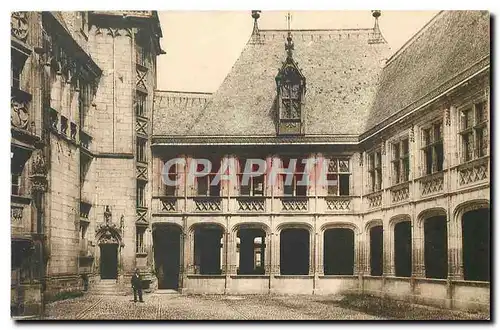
106, 287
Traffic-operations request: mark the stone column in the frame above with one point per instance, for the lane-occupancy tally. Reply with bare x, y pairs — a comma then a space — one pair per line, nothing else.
223, 253
190, 257
359, 264
455, 262
358, 267
320, 254
275, 261
186, 259
312, 254
318, 268
268, 250
418, 246
233, 256
388, 249
365, 245
262, 252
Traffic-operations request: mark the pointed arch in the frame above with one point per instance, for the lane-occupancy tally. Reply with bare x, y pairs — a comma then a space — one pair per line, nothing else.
108, 234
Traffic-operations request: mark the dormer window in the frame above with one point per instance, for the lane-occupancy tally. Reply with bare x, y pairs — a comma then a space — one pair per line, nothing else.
291, 87
290, 94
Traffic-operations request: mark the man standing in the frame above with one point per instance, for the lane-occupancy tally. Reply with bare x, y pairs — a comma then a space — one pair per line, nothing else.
137, 285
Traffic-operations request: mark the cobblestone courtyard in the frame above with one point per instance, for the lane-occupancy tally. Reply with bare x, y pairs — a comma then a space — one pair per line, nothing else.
174, 306
201, 307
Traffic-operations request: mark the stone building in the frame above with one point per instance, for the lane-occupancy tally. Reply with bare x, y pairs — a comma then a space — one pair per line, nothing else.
406, 143
404, 140
81, 82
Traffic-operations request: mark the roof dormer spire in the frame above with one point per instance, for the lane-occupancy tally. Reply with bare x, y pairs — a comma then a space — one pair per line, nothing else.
376, 14
255, 32
376, 37
289, 44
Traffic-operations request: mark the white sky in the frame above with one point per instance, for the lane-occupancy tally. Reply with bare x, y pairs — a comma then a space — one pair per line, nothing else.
202, 46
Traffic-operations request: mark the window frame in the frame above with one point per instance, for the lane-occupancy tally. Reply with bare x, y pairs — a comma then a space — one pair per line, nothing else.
171, 191
375, 181
338, 173
141, 55
430, 145
140, 193
297, 176
251, 181
140, 246
476, 130
141, 150
400, 162
141, 109
209, 178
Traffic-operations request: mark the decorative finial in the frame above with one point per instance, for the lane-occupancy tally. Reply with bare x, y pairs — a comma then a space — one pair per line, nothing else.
256, 14
376, 37
376, 14
289, 45
255, 31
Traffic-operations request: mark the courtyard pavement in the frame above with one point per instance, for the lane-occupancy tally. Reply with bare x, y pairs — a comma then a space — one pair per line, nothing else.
174, 306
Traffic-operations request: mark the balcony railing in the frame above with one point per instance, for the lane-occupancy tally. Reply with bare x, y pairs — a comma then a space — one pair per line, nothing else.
251, 204
294, 204
473, 171
374, 199
254, 204
208, 204
431, 184
338, 203
400, 192
167, 204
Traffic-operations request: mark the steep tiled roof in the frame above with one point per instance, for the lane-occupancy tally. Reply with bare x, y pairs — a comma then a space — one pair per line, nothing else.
341, 68
175, 113
454, 45
350, 91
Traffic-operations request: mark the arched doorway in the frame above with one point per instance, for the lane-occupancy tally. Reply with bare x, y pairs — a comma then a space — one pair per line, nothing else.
109, 261
476, 244
167, 254
109, 239
208, 249
338, 251
251, 249
402, 249
376, 250
294, 251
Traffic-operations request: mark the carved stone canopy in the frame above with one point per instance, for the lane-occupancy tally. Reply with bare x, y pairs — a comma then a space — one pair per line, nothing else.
108, 232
